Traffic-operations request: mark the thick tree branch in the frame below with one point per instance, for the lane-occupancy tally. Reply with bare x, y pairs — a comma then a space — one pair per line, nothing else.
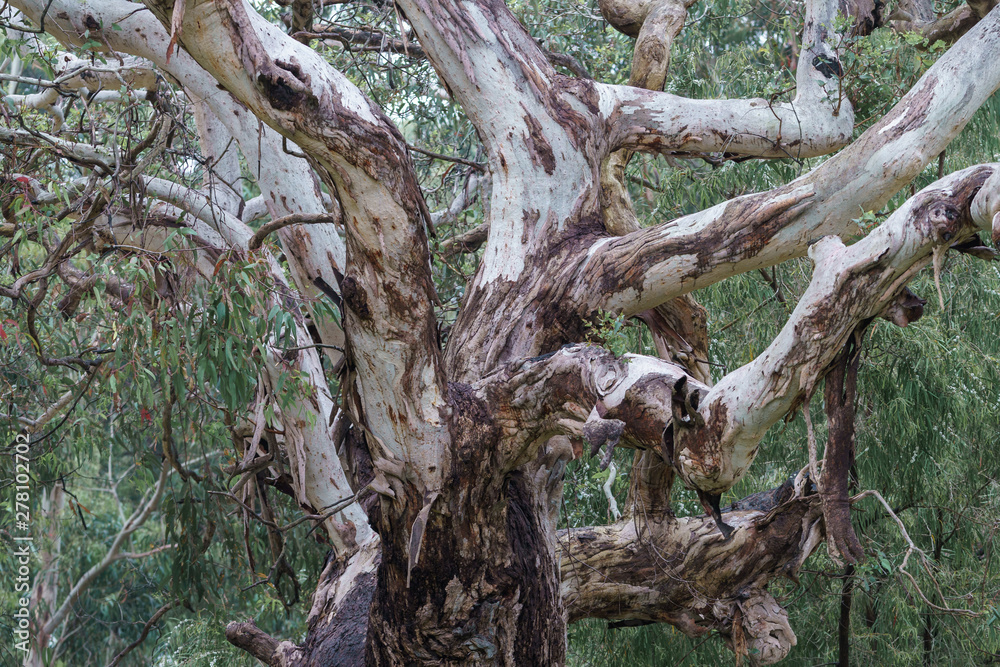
364, 156
947, 28
584, 390
819, 120
839, 396
682, 572
849, 285
659, 263
254, 641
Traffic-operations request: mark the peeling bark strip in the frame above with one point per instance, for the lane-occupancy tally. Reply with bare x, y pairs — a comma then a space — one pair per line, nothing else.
840, 394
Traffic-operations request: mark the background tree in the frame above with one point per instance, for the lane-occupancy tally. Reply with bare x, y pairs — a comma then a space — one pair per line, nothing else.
334, 253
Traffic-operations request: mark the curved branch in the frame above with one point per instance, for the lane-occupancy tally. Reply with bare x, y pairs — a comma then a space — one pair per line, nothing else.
819, 120
294, 219
681, 571
138, 518
849, 285
254, 641
153, 620
656, 264
947, 28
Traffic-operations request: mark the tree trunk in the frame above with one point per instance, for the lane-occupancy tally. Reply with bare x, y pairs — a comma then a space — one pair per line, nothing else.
45, 596
487, 595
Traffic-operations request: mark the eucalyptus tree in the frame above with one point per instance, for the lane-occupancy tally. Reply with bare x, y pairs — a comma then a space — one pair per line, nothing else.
436, 471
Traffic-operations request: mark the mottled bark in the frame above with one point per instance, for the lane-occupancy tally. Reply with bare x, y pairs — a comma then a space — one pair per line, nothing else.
639, 570
920, 18
683, 572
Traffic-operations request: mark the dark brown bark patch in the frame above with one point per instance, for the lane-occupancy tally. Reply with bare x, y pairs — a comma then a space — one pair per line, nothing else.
355, 297
541, 629
840, 393
828, 67
538, 146
340, 639
910, 117
906, 309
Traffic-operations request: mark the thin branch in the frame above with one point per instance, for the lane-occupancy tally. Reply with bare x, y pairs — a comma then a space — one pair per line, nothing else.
368, 40
913, 548
113, 554
478, 166
321, 346
130, 555
811, 438
336, 507
293, 219
41, 83
154, 619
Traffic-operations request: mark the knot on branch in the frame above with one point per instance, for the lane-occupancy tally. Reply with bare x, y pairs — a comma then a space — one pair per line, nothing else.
761, 629
606, 372
945, 220
905, 309
603, 433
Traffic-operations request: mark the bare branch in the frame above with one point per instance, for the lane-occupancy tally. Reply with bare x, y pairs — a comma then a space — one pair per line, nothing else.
254, 641
294, 219
450, 158
849, 285
134, 522
817, 122
153, 620
656, 264
681, 571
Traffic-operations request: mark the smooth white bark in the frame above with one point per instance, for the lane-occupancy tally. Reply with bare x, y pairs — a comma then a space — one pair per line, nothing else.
850, 284
703, 248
